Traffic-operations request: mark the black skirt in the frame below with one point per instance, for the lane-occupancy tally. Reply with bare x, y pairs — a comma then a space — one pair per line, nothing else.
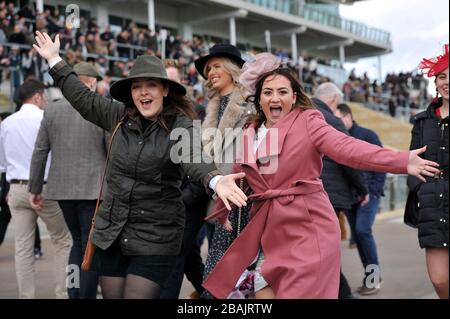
112, 263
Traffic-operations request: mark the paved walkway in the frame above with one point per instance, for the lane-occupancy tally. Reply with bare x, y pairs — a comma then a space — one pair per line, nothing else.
402, 261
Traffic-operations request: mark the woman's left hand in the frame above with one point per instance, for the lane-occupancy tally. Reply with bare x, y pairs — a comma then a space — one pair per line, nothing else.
228, 191
420, 167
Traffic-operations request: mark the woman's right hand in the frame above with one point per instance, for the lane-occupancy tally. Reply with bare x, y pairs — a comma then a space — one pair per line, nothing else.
419, 167
46, 47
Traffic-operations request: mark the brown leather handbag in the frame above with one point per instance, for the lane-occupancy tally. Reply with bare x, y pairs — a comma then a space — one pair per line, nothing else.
90, 247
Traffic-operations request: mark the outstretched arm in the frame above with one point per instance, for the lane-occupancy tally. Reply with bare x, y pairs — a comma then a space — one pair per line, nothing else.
93, 107
362, 155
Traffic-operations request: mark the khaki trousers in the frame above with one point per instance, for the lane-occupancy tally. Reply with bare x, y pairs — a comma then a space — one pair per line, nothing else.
24, 223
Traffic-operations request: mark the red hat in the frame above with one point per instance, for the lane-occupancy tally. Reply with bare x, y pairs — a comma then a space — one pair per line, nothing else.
434, 66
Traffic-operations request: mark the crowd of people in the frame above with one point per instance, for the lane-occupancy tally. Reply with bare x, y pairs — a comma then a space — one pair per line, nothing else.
402, 91
113, 53
142, 237
150, 219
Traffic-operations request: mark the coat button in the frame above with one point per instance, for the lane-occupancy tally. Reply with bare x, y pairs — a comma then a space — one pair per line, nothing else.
440, 195
142, 212
140, 142
125, 240
129, 124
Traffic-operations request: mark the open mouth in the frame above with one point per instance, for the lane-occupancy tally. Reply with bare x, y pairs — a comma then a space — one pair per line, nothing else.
146, 103
275, 111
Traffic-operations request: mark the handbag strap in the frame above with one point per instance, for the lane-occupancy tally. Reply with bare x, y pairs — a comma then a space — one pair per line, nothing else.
102, 183
241, 186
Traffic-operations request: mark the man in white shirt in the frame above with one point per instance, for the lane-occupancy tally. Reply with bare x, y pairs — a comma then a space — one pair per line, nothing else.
18, 135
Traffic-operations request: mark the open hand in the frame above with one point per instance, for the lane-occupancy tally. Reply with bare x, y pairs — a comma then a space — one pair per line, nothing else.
420, 167
47, 48
228, 191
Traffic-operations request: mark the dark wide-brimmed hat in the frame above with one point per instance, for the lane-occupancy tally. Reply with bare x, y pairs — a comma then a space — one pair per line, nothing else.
219, 50
87, 69
145, 66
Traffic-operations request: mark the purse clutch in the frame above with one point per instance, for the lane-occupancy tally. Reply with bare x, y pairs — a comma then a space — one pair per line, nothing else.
411, 214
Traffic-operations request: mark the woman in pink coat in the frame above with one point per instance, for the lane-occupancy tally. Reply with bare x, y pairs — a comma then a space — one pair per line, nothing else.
293, 235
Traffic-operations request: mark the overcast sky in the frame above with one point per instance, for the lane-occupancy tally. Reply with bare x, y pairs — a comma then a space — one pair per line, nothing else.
419, 28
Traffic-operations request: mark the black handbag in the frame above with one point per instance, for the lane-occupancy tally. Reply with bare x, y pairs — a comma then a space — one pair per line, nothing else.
411, 214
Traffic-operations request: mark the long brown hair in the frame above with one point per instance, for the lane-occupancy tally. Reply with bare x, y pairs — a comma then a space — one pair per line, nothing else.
173, 104
303, 101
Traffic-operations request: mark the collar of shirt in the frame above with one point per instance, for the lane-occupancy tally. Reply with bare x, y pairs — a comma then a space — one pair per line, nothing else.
28, 107
259, 136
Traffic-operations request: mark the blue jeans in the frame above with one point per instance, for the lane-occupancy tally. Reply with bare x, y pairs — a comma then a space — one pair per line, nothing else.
361, 220
78, 216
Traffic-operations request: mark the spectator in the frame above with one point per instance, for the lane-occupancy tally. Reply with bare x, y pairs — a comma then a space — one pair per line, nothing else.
17, 137
361, 216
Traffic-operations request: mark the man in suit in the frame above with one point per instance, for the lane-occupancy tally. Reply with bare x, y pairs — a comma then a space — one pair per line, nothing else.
343, 184
18, 135
78, 154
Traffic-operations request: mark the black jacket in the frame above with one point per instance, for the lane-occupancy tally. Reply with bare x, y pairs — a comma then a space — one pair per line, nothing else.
432, 131
143, 205
343, 184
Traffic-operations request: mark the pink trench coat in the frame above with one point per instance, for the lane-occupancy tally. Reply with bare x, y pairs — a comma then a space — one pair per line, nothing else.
292, 217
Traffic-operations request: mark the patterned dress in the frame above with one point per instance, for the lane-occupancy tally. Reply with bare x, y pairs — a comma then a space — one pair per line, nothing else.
222, 239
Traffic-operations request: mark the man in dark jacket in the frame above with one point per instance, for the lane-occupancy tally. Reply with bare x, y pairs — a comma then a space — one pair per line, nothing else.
361, 217
343, 184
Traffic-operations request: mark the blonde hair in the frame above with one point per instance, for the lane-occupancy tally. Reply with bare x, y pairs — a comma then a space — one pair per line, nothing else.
230, 67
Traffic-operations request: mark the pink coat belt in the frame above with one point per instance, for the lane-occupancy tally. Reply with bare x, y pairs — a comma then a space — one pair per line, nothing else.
284, 196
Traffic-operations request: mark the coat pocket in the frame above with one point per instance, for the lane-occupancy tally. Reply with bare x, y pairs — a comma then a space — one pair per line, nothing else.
155, 234
428, 195
103, 217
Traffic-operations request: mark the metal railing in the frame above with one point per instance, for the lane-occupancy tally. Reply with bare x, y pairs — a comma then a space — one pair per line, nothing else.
395, 193
326, 18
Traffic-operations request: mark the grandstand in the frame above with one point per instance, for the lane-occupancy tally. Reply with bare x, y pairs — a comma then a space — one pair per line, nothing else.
309, 34
299, 27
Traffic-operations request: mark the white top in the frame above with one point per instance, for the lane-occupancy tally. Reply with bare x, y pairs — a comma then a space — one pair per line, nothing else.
262, 131
18, 134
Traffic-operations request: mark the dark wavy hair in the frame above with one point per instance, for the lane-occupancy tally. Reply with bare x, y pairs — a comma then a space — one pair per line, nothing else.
303, 101
173, 105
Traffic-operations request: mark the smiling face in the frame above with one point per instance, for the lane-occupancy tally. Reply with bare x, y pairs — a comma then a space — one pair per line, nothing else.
220, 78
148, 96
442, 84
277, 98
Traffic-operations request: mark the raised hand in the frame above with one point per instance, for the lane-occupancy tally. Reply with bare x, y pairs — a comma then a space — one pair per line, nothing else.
46, 47
228, 191
420, 167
